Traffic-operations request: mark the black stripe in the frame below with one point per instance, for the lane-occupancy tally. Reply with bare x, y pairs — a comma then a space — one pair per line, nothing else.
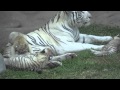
76, 15
48, 25
30, 37
44, 43
67, 29
29, 42
43, 30
36, 50
73, 17
83, 39
58, 17
19, 61
24, 62
41, 41
52, 47
33, 62
33, 39
29, 64
77, 40
48, 34
47, 30
52, 20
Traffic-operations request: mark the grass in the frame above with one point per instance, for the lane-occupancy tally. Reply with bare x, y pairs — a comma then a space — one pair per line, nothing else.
85, 66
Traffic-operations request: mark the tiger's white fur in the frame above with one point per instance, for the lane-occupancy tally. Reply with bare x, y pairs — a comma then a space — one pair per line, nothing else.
61, 34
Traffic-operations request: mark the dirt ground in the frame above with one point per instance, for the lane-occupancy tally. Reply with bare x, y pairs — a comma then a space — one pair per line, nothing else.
26, 21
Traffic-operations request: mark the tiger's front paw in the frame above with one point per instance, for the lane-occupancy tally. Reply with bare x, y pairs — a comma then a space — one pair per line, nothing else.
108, 38
93, 51
53, 64
70, 55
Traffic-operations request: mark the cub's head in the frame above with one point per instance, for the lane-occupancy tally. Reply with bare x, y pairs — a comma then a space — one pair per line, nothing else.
20, 45
79, 18
45, 54
117, 37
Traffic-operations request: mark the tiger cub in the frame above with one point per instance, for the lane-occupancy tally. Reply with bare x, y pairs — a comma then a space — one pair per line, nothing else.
112, 47
35, 62
19, 43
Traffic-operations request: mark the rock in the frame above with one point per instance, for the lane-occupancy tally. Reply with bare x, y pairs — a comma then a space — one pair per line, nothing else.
2, 64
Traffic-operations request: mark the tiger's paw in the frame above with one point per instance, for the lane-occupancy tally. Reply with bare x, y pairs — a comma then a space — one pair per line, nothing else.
93, 50
108, 38
70, 55
53, 64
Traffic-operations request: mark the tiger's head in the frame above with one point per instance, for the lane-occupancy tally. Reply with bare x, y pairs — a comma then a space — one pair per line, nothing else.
79, 18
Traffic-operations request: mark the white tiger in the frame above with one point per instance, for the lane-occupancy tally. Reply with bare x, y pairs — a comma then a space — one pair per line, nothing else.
62, 35
112, 47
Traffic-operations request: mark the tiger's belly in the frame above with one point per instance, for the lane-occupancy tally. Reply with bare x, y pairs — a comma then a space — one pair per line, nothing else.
63, 36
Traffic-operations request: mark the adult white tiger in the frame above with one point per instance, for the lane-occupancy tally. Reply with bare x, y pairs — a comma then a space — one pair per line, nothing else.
61, 34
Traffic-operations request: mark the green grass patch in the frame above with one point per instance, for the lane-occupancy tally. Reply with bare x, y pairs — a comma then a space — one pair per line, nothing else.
85, 66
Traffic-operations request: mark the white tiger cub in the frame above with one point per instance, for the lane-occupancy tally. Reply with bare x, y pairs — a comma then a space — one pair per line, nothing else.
19, 43
35, 62
112, 47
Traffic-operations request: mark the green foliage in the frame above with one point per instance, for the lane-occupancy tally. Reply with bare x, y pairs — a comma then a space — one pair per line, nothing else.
85, 66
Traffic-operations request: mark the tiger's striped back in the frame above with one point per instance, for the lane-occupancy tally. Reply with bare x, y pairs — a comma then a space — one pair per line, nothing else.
60, 29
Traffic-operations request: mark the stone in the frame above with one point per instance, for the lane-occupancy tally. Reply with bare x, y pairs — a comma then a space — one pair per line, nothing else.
2, 64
